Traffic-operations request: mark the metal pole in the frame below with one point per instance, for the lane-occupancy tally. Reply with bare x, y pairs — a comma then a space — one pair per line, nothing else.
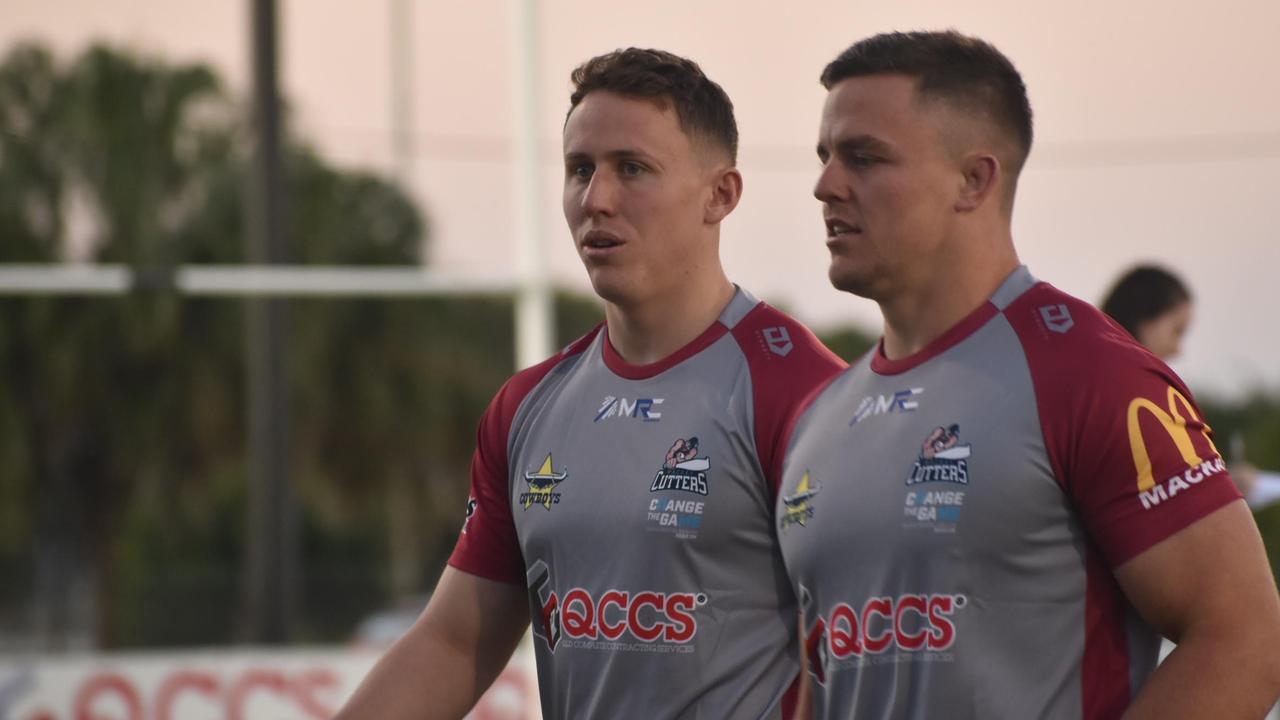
268, 586
402, 160
534, 323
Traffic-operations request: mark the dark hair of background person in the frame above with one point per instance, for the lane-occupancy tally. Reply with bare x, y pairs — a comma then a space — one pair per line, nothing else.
1143, 294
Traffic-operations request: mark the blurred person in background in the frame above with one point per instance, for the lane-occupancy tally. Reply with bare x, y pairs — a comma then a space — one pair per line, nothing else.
1000, 509
622, 491
1155, 306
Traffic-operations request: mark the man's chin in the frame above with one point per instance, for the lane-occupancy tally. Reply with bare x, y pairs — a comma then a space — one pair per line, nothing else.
851, 282
610, 289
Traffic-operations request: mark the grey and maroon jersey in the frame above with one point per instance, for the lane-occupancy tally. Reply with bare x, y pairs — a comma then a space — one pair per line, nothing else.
636, 505
951, 520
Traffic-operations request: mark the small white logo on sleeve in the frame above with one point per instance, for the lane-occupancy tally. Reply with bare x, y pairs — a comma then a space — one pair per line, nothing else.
1057, 318
778, 340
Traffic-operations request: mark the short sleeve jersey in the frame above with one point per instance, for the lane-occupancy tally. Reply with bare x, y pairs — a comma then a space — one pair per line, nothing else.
636, 505
951, 520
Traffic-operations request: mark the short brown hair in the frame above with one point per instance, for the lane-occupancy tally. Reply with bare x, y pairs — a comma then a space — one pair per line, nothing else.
702, 107
966, 72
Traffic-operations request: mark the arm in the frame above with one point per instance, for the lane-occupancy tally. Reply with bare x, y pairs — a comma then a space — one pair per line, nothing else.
450, 656
804, 701
1208, 588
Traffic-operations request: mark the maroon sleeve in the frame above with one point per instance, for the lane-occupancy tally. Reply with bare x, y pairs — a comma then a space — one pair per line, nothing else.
487, 545
1125, 439
788, 364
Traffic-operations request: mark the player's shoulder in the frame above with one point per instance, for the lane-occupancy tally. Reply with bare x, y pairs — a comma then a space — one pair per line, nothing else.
1079, 357
767, 334
1061, 331
518, 386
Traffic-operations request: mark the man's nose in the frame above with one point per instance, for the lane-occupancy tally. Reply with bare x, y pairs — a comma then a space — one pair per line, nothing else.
831, 184
601, 195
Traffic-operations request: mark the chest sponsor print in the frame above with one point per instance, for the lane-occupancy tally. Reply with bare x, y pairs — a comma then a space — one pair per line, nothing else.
883, 630
613, 620
942, 459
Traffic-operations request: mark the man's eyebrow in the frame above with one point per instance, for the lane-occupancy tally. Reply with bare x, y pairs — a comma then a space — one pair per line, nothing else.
619, 154
859, 143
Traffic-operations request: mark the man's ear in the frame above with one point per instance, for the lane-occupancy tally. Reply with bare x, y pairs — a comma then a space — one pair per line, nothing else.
726, 191
981, 173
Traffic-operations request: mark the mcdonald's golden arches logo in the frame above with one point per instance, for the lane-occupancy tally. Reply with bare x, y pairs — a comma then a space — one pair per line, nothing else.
1175, 426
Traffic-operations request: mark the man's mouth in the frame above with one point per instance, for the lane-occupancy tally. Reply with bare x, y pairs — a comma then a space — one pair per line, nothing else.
600, 240
837, 227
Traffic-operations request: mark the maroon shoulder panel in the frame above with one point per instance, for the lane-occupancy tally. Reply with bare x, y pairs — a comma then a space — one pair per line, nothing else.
487, 545
788, 364
1125, 439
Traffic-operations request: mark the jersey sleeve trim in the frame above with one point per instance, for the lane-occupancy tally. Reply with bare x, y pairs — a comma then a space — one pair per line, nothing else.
487, 545
1126, 442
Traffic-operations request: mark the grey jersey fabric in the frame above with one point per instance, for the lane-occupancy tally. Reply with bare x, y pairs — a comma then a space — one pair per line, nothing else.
942, 560
643, 518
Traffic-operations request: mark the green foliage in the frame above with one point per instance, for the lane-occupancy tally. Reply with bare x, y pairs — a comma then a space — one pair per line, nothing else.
1249, 431
848, 342
122, 420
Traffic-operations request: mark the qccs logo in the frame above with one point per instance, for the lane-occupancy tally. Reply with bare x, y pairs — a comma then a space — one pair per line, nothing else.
646, 616
883, 624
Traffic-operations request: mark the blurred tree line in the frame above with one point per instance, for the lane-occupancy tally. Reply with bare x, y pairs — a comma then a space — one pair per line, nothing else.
123, 419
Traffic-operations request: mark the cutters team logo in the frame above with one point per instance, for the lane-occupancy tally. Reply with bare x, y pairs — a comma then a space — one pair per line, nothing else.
942, 458
615, 620
683, 469
797, 507
542, 485
1174, 426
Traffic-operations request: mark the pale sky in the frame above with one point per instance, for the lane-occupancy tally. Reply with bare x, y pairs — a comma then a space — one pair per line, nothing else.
1157, 129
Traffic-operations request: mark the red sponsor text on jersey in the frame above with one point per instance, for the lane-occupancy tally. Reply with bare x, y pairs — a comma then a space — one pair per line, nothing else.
906, 622
646, 616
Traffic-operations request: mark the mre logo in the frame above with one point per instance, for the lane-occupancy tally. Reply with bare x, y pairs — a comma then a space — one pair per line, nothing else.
883, 624
942, 458
798, 507
620, 407
872, 405
650, 617
1174, 427
542, 486
683, 469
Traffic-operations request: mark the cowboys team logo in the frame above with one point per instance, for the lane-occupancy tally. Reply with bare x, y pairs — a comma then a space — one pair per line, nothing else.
542, 486
798, 508
683, 469
942, 458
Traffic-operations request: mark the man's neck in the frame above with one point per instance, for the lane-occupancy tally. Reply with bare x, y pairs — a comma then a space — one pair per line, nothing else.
918, 316
648, 331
